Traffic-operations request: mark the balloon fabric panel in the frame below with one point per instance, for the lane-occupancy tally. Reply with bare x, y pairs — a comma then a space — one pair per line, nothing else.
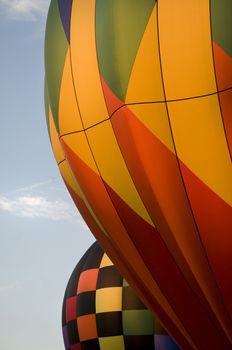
84, 64
185, 55
57, 45
167, 117
145, 83
65, 8
103, 144
221, 24
68, 105
117, 50
222, 50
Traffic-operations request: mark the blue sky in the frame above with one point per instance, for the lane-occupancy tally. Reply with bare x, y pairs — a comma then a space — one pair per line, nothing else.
42, 236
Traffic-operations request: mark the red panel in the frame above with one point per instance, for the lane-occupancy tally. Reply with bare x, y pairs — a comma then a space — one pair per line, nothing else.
214, 220
226, 108
112, 101
223, 65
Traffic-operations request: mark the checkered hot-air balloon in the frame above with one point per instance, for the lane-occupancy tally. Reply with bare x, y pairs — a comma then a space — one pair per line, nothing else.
102, 312
139, 105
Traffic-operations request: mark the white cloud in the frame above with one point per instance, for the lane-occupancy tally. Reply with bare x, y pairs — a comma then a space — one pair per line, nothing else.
29, 206
24, 9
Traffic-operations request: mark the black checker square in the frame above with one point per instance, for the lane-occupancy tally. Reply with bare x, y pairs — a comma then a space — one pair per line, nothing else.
72, 286
130, 301
94, 259
109, 324
90, 344
64, 312
73, 332
109, 277
86, 303
139, 342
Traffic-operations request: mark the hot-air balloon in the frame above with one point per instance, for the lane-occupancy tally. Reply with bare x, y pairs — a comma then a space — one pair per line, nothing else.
102, 312
139, 102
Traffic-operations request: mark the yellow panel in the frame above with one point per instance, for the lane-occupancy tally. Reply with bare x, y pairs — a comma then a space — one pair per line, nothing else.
109, 299
56, 146
112, 343
154, 117
79, 145
146, 82
186, 49
113, 168
106, 261
201, 144
84, 63
69, 116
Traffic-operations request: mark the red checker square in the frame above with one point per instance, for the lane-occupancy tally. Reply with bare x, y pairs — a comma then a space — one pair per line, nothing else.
88, 281
71, 307
76, 347
87, 327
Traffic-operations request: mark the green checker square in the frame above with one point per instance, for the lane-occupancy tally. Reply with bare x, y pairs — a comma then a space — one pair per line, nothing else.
125, 283
137, 322
112, 343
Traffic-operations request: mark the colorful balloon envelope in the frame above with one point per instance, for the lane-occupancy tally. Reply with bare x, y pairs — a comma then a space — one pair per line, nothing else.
102, 312
139, 104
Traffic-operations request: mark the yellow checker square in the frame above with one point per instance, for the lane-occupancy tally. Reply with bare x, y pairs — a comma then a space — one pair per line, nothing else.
106, 261
109, 299
112, 343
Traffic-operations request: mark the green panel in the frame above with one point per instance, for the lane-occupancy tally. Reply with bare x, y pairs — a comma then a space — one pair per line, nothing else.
120, 25
221, 18
56, 46
137, 322
46, 105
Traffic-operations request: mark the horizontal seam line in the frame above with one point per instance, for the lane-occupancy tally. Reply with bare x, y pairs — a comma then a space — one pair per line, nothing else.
146, 102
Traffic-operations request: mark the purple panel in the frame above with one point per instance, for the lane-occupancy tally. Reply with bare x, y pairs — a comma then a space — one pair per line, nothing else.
65, 8
164, 342
65, 336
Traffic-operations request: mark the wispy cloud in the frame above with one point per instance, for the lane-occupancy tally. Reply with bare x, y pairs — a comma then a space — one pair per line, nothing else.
38, 207
49, 185
24, 9
8, 287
